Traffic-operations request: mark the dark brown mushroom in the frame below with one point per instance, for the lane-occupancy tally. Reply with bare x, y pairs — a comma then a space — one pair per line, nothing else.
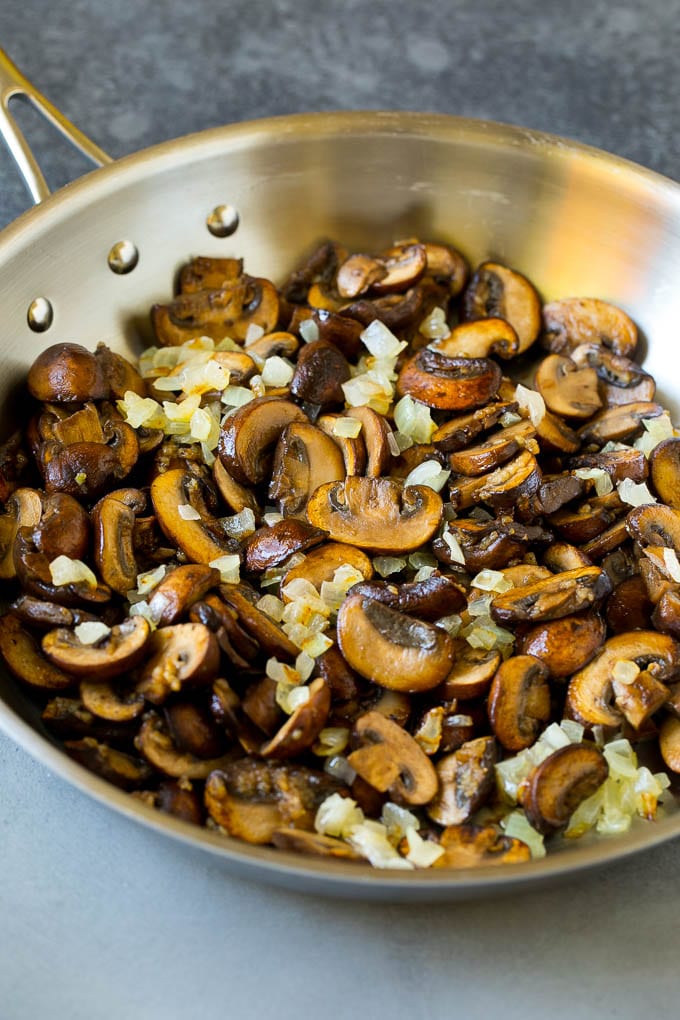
459, 431
225, 312
519, 477
208, 273
628, 607
618, 464
24, 509
556, 787
622, 381
447, 266
564, 645
201, 540
184, 655
664, 463
120, 650
555, 436
479, 339
452, 384
639, 699
320, 564
570, 322
479, 846
24, 659
390, 648
499, 292
391, 761
620, 423
113, 519
376, 514
519, 701
180, 588
495, 450
352, 448
669, 742
567, 390
489, 545
561, 595
67, 373
237, 497
374, 432
13, 463
319, 266
305, 459
471, 673
319, 373
429, 599
302, 842
180, 799
339, 330
194, 728
302, 728
43, 615
466, 781
249, 435
159, 749
266, 632
107, 701
271, 546
117, 767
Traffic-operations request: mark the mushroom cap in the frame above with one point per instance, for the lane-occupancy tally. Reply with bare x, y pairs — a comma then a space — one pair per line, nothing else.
121, 650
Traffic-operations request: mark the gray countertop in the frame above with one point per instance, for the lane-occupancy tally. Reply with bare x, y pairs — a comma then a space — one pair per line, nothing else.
100, 918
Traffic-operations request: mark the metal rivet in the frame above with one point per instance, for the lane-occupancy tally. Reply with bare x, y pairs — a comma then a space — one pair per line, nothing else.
40, 314
222, 221
123, 257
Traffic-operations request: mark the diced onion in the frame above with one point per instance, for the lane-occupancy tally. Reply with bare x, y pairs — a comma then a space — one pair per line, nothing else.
332, 740
413, 419
370, 840
429, 473
670, 558
457, 554
634, 494
532, 402
240, 525
229, 567
434, 326
625, 671
253, 334
272, 606
64, 570
422, 852
337, 816
380, 341
517, 826
491, 580
309, 331
91, 632
397, 820
386, 565
347, 428
187, 512
603, 482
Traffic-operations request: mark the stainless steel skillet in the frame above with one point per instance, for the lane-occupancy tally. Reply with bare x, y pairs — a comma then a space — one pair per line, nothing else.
575, 220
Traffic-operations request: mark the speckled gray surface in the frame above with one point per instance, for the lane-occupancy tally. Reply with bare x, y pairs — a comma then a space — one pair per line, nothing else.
100, 919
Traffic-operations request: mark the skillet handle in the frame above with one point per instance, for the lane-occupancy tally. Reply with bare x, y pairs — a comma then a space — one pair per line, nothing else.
13, 83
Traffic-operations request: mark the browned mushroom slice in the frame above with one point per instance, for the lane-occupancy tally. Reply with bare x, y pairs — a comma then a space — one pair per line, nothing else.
123, 770
179, 589
237, 497
391, 761
267, 633
159, 749
521, 476
85, 468
588, 520
452, 384
352, 448
200, 540
358, 273
430, 599
639, 699
521, 574
320, 564
471, 672
466, 781
319, 373
390, 648
457, 432
556, 787
33, 572
499, 292
105, 701
561, 595
251, 799
628, 607
68, 718
565, 645
273, 545
24, 659
665, 471
305, 459
669, 742
115, 653
83, 426
344, 683
666, 615
396, 271
24, 509
63, 528
208, 273
302, 842
186, 654
446, 266
618, 464
42, 615
488, 544
259, 704
655, 528
374, 432
622, 381
479, 339
225, 312
339, 330
479, 846
113, 518
180, 799
249, 435
67, 373
605, 543
494, 451
519, 701
319, 266
574, 321
303, 727
567, 390
555, 436
620, 423
376, 514
194, 729
13, 463
590, 690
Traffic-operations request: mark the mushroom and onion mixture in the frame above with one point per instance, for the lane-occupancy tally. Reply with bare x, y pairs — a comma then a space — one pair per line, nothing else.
318, 574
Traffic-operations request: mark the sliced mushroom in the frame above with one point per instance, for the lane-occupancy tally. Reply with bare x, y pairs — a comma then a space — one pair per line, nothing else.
267, 633
639, 699
666, 615
396, 271
574, 321
446, 265
555, 436
499, 292
319, 373
180, 799
23, 510
68, 719
357, 274
237, 497
665, 471
619, 423
24, 659
669, 742
472, 671
429, 599
300, 731
157, 746
561, 595
588, 520
320, 564
186, 654
33, 572
458, 432
628, 607
479, 846
318, 266
622, 381
249, 435
105, 701
520, 477
208, 273
390, 648
120, 650
556, 787
590, 690
466, 781
375, 434
303, 842
259, 704
452, 384
352, 448
489, 545
63, 528
194, 729
390, 760
606, 542
376, 514
117, 767
113, 518
305, 459
201, 540
180, 588
225, 312
479, 339
13, 463
271, 546
67, 373
618, 464
251, 799
564, 645
561, 556
494, 451
43, 615
567, 390
519, 701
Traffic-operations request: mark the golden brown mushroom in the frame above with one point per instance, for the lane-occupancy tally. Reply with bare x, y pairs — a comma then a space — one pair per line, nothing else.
391, 761
556, 787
